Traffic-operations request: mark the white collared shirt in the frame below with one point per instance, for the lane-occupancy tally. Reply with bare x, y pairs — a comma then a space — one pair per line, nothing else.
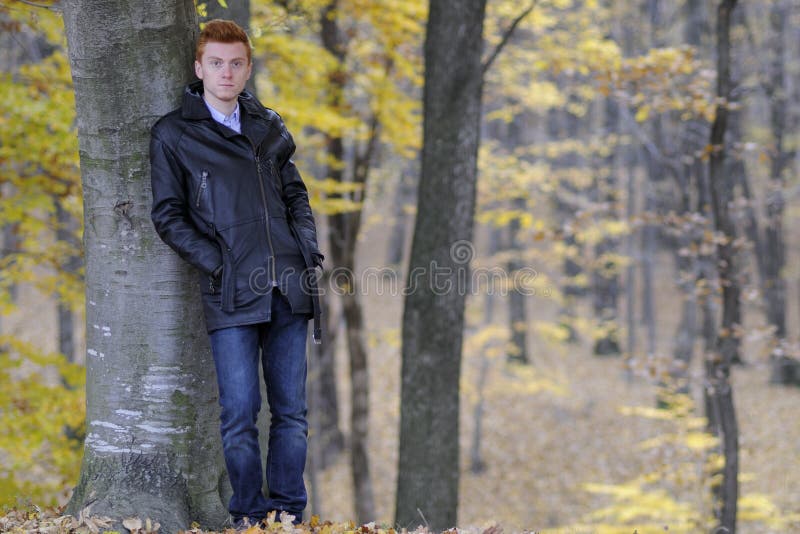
231, 121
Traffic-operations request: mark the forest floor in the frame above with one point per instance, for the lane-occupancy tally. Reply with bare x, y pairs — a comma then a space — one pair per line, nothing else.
549, 430
552, 429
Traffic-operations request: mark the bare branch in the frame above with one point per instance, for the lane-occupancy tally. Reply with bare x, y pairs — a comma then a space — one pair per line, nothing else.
506, 37
56, 6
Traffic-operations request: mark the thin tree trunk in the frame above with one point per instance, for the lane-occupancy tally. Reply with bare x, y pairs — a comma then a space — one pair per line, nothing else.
343, 233
720, 392
314, 459
11, 246
477, 464
649, 236
403, 197
517, 315
605, 274
433, 318
630, 270
688, 241
656, 176
562, 125
697, 24
327, 432
784, 368
152, 447
625, 34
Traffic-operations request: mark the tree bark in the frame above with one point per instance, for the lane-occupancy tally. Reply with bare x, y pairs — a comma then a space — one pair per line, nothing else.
433, 318
656, 177
563, 125
697, 26
648, 247
404, 195
692, 220
477, 464
784, 368
328, 436
720, 392
343, 233
152, 447
605, 274
517, 315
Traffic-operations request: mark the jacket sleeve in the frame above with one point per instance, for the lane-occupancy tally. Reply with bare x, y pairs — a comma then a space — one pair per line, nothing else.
170, 211
295, 196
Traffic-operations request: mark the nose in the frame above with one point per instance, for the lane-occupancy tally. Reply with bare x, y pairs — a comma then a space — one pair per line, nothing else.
227, 70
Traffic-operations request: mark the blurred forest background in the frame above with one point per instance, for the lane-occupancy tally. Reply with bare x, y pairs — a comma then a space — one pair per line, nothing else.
594, 313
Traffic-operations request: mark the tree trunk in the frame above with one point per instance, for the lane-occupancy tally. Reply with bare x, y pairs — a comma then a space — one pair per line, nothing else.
720, 393
605, 274
656, 176
327, 434
11, 246
433, 318
649, 236
563, 125
404, 196
693, 220
517, 316
784, 368
343, 233
697, 26
236, 10
630, 270
152, 447
477, 464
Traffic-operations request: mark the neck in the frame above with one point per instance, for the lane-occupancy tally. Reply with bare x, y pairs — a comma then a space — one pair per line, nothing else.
226, 108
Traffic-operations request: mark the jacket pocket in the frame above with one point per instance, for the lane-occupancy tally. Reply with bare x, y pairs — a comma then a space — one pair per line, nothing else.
201, 193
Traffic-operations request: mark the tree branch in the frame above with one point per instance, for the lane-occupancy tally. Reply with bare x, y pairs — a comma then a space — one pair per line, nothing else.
55, 6
506, 37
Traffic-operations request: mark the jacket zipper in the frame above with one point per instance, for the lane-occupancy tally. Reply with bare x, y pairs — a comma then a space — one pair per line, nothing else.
272, 273
203, 185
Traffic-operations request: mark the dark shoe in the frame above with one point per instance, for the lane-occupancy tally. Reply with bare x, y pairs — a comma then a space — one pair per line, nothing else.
241, 524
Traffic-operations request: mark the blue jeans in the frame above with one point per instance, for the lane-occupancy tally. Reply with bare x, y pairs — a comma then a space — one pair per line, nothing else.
282, 343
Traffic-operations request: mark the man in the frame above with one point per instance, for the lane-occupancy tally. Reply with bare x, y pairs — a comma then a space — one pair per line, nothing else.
229, 200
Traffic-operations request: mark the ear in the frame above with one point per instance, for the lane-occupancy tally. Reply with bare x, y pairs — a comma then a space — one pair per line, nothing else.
198, 69
249, 69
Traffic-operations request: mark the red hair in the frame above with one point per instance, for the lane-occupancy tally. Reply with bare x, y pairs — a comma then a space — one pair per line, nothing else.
222, 31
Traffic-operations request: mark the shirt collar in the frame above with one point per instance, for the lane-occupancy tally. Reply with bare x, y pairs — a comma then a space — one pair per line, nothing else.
231, 121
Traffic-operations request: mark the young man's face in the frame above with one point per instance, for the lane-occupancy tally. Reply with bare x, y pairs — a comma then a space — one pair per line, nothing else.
224, 69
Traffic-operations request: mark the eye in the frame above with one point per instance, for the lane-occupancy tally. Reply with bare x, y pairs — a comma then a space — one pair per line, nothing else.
238, 64
216, 63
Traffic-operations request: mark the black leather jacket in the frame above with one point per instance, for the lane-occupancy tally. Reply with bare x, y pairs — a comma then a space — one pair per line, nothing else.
235, 207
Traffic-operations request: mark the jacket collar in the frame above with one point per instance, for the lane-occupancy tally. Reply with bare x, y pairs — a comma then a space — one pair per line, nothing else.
194, 108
